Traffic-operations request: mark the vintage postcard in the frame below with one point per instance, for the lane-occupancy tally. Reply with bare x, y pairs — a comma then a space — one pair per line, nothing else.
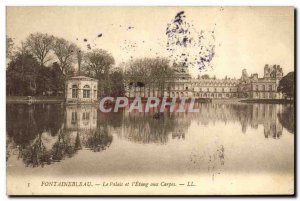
150, 100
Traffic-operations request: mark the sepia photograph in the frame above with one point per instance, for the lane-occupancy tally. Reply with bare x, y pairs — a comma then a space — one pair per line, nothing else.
150, 100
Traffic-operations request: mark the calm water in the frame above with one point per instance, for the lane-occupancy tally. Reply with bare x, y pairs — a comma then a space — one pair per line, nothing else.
51, 139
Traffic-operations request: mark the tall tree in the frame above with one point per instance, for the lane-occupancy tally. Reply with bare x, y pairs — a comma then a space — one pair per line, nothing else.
205, 76
162, 75
116, 78
65, 52
40, 46
22, 73
155, 74
287, 84
57, 79
9, 47
138, 74
97, 64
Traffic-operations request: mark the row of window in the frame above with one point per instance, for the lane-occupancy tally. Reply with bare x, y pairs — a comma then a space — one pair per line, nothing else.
264, 87
209, 95
264, 95
215, 90
200, 89
86, 93
213, 84
85, 116
218, 95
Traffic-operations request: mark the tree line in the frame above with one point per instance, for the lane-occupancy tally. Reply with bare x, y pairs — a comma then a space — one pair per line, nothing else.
42, 63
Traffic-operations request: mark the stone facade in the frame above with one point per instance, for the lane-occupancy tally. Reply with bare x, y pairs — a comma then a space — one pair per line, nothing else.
81, 89
261, 88
250, 87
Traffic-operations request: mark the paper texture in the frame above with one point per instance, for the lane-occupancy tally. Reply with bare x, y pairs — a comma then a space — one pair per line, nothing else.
150, 100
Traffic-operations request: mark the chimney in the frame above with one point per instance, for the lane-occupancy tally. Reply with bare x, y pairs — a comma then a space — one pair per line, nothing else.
79, 59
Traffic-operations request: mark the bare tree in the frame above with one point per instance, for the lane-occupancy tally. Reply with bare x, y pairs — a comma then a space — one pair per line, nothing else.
40, 46
97, 64
162, 75
153, 74
140, 74
65, 52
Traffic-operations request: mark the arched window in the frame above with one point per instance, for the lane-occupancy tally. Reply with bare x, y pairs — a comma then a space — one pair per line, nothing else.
86, 91
74, 91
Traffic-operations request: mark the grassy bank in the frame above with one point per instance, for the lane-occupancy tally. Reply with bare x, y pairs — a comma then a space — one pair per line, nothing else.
35, 99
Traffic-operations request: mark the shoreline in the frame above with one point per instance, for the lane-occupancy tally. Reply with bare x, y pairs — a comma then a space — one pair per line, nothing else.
34, 99
268, 101
49, 99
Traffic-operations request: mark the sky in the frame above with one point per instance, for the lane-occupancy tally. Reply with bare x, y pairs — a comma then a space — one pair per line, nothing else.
244, 37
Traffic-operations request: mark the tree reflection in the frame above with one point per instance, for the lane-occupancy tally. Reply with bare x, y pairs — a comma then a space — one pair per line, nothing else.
24, 122
41, 134
99, 140
286, 118
36, 154
42, 138
143, 128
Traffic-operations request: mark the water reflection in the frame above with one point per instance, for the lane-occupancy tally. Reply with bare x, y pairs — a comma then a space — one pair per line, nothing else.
143, 128
286, 118
42, 134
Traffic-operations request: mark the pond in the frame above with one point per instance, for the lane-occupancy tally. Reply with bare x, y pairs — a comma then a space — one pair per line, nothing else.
217, 144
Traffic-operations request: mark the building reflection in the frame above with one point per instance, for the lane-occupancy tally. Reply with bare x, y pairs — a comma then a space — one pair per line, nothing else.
248, 115
42, 138
267, 116
41, 134
143, 128
82, 123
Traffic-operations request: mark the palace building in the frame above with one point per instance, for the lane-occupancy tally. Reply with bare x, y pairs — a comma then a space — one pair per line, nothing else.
261, 88
184, 85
